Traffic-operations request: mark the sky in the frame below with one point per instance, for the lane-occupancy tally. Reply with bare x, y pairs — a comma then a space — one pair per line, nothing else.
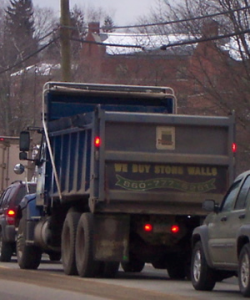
123, 12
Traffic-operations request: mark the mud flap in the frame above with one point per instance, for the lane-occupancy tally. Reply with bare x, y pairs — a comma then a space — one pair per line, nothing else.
111, 238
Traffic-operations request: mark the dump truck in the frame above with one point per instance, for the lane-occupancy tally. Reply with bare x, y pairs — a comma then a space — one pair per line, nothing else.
121, 179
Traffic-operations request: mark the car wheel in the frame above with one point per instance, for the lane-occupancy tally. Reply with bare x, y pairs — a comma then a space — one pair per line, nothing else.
69, 241
244, 271
28, 256
202, 276
133, 265
6, 250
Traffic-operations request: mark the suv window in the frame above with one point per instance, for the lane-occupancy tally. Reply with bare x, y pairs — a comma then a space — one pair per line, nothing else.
16, 192
2, 197
5, 197
20, 194
242, 197
230, 197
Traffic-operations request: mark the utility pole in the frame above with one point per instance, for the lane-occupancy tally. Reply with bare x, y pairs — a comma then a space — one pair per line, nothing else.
65, 42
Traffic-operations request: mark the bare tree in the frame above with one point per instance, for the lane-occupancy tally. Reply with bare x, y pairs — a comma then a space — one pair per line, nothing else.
45, 23
218, 68
20, 84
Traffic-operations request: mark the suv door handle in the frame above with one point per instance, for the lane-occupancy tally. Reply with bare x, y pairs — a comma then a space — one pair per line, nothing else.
223, 219
242, 216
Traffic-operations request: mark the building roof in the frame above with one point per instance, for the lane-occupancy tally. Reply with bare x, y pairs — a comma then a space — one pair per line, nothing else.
144, 43
235, 49
42, 69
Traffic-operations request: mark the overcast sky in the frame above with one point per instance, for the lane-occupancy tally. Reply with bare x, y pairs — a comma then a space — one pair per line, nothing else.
123, 12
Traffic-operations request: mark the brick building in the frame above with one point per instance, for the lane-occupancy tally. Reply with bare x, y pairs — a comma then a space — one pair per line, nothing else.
186, 68
198, 72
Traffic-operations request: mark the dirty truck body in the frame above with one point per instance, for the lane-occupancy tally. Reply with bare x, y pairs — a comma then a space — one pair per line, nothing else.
121, 179
9, 150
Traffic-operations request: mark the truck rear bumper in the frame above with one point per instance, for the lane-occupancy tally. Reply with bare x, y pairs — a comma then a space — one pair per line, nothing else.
153, 203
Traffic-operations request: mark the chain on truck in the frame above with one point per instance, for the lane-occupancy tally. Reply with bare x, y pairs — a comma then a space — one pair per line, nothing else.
121, 178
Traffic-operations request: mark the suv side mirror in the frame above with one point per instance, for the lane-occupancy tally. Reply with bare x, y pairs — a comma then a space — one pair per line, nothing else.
210, 205
24, 142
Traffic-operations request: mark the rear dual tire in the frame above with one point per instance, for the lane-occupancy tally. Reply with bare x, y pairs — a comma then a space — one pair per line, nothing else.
85, 263
69, 241
77, 248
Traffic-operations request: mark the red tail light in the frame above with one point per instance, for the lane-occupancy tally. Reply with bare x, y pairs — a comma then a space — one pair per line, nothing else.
97, 142
10, 216
148, 227
175, 228
234, 147
11, 213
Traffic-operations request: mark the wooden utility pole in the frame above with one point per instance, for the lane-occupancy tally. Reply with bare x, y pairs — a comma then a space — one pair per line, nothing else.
65, 42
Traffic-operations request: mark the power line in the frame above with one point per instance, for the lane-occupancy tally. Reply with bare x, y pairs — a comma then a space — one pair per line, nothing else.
46, 35
207, 39
165, 46
105, 44
28, 56
162, 47
28, 46
178, 21
166, 22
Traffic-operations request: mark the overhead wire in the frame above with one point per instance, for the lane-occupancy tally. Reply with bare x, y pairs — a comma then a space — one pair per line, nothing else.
168, 22
179, 21
28, 56
105, 44
46, 35
207, 39
162, 47
165, 46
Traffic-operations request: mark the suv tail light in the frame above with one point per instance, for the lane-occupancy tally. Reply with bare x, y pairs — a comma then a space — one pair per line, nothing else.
97, 141
10, 216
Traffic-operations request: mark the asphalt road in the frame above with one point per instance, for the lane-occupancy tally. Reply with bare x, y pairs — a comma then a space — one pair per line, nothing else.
49, 282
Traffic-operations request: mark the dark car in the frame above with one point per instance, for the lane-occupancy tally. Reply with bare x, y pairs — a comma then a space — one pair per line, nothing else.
9, 202
221, 246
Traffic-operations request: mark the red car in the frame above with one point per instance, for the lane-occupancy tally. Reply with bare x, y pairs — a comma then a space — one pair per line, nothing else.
9, 202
